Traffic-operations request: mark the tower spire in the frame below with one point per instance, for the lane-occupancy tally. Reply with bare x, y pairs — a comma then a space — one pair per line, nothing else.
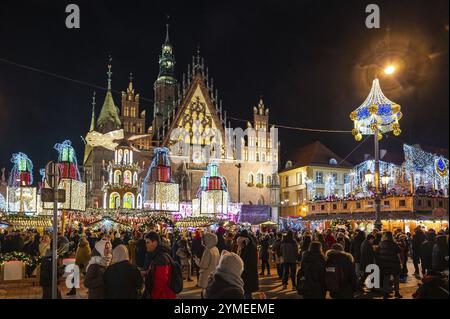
167, 34
92, 128
109, 73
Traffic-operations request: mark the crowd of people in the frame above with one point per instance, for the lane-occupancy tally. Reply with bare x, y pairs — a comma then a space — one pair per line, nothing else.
229, 264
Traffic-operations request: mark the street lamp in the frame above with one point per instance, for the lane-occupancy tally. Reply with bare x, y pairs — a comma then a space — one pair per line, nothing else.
376, 116
368, 177
385, 180
390, 69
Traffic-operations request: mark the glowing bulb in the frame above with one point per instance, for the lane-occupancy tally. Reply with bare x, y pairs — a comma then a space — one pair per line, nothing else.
389, 69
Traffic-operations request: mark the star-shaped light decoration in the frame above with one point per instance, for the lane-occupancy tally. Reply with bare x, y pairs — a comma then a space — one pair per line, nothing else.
377, 113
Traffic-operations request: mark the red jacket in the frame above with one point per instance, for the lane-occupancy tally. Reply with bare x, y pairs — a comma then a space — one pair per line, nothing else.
159, 275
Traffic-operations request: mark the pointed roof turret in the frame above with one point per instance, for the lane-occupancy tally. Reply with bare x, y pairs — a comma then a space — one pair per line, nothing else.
166, 61
108, 119
167, 34
92, 127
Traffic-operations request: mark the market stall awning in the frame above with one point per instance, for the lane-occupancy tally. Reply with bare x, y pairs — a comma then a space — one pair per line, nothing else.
24, 221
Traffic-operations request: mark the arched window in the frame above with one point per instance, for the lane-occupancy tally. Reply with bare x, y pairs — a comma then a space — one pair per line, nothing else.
269, 180
117, 175
127, 178
128, 200
126, 157
263, 157
259, 178
261, 200
114, 200
250, 178
135, 178
119, 158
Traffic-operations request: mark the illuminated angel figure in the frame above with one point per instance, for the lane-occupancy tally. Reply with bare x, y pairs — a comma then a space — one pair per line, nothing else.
68, 160
377, 115
22, 172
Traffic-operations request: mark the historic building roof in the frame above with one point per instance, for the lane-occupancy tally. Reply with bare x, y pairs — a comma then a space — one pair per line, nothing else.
108, 119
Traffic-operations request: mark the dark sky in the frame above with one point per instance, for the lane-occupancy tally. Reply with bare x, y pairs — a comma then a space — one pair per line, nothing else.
312, 60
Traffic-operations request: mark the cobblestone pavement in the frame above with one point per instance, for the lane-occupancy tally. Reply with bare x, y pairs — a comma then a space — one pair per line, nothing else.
270, 286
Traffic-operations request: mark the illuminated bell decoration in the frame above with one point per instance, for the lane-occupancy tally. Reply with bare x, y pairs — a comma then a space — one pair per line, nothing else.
213, 193
159, 191
377, 112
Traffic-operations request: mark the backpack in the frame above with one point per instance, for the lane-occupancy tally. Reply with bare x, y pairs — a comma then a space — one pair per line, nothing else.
334, 277
176, 278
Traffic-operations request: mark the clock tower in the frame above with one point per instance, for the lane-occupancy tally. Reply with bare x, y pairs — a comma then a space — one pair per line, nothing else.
165, 87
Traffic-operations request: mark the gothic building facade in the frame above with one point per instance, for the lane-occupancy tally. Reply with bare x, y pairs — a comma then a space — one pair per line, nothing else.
189, 119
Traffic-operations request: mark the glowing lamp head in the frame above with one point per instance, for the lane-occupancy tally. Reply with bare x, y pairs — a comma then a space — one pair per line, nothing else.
368, 177
390, 69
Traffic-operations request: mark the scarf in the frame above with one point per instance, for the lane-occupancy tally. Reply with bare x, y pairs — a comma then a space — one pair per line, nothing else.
99, 260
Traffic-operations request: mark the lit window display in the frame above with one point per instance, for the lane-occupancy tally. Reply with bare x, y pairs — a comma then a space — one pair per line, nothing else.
128, 200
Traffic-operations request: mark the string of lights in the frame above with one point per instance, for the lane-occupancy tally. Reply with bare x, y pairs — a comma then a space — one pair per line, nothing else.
30, 68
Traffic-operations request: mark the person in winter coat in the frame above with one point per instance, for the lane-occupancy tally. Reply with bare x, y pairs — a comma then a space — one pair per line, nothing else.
402, 244
389, 261
440, 254
247, 250
158, 274
229, 242
264, 256
434, 286
185, 255
226, 281
209, 260
366, 257
94, 280
426, 250
131, 245
122, 279
329, 239
197, 251
340, 277
220, 232
44, 245
305, 245
141, 251
83, 254
45, 278
321, 240
310, 277
276, 250
355, 250
417, 241
289, 252
31, 247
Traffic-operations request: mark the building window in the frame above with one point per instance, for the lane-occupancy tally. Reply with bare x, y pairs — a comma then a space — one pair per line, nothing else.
402, 203
269, 180
299, 178
419, 202
429, 203
114, 200
387, 203
334, 206
313, 207
322, 207
128, 200
345, 205
286, 181
117, 175
263, 157
250, 178
126, 112
260, 178
335, 177
358, 205
441, 204
257, 156
319, 177
127, 178
346, 178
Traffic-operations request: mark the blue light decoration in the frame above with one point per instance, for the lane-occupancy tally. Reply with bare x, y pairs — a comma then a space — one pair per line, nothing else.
359, 184
376, 113
67, 160
22, 171
212, 195
21, 197
427, 168
159, 192
2, 203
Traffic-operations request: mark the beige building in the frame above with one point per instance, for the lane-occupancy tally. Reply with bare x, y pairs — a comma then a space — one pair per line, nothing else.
314, 172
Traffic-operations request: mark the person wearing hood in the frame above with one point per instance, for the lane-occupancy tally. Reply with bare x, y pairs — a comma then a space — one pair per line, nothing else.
122, 279
310, 276
289, 252
226, 281
45, 277
159, 270
389, 261
94, 279
417, 241
209, 260
185, 255
82, 257
340, 276
439, 257
426, 250
248, 252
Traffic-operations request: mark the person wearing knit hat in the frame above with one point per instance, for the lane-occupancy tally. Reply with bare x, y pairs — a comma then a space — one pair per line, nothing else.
101, 258
226, 281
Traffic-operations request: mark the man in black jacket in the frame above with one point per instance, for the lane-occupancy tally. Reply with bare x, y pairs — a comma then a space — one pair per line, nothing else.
341, 265
389, 261
426, 250
417, 241
367, 256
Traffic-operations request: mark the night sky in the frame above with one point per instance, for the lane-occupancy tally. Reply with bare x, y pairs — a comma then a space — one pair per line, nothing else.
313, 61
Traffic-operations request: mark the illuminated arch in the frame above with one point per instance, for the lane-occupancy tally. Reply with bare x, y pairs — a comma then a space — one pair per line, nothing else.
126, 157
127, 177
128, 200
135, 178
119, 156
117, 175
114, 200
139, 201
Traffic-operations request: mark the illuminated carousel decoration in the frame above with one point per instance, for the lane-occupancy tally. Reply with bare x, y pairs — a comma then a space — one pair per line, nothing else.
212, 196
70, 179
159, 192
377, 115
21, 196
121, 189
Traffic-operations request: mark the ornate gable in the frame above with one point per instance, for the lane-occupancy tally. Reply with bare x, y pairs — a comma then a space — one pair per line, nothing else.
197, 119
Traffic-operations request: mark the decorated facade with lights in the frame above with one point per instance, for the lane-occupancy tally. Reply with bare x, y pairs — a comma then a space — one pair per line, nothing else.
121, 188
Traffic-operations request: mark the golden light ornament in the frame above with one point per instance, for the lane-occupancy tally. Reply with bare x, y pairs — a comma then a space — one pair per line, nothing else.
358, 137
373, 109
399, 116
395, 108
380, 136
353, 116
354, 132
397, 132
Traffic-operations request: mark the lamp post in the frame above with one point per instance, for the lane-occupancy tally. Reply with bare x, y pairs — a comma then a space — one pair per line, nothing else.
239, 181
376, 116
